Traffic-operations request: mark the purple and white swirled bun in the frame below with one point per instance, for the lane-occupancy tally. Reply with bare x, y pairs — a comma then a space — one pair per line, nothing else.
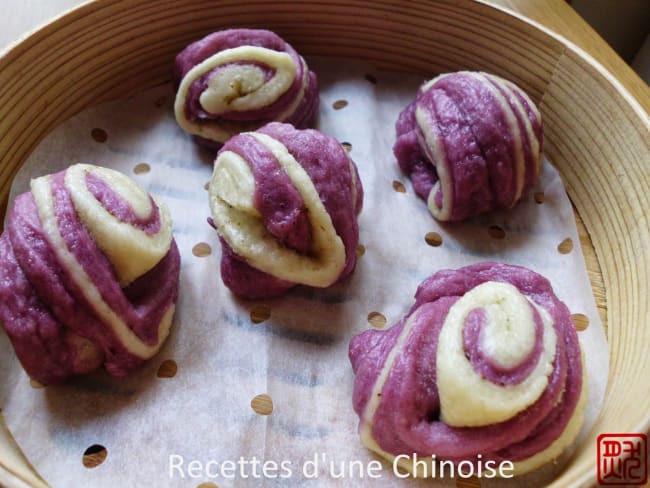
471, 142
89, 274
238, 80
487, 361
285, 203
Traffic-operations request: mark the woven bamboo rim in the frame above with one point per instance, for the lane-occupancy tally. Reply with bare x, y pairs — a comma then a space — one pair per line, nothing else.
596, 134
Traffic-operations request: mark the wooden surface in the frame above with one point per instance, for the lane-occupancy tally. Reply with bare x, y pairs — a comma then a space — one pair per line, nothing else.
608, 182
556, 15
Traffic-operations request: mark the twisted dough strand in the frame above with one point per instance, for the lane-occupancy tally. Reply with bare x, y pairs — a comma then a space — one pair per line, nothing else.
72, 298
285, 202
237, 80
247, 234
443, 380
471, 142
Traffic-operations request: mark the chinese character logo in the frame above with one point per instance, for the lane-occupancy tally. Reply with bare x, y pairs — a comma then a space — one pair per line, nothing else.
622, 459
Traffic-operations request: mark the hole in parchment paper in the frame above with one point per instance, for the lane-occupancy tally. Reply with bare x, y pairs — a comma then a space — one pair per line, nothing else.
566, 246
160, 101
94, 456
201, 250
433, 239
339, 104
539, 197
496, 232
468, 482
260, 313
361, 250
371, 79
167, 369
377, 320
141, 168
580, 321
206, 186
262, 404
208, 484
99, 135
36, 384
347, 146
399, 187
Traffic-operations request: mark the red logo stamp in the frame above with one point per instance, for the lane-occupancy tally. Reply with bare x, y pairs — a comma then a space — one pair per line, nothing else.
622, 459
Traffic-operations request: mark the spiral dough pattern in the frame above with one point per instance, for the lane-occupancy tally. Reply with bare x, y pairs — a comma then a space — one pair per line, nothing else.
88, 274
470, 142
486, 362
285, 203
238, 80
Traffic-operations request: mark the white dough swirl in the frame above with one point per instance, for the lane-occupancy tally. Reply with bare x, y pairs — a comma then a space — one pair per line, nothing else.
467, 399
239, 223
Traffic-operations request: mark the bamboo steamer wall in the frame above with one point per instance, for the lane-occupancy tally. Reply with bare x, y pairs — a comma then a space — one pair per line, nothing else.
596, 134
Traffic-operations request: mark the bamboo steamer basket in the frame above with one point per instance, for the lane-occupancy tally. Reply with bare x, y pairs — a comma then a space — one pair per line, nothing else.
596, 133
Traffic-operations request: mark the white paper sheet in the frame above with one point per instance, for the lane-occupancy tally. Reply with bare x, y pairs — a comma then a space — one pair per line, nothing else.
299, 355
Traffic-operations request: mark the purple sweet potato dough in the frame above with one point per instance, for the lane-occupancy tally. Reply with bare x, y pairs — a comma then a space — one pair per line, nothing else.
56, 332
410, 156
328, 165
47, 349
283, 211
514, 96
303, 91
467, 170
485, 116
486, 365
281, 206
407, 420
248, 282
473, 139
121, 209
